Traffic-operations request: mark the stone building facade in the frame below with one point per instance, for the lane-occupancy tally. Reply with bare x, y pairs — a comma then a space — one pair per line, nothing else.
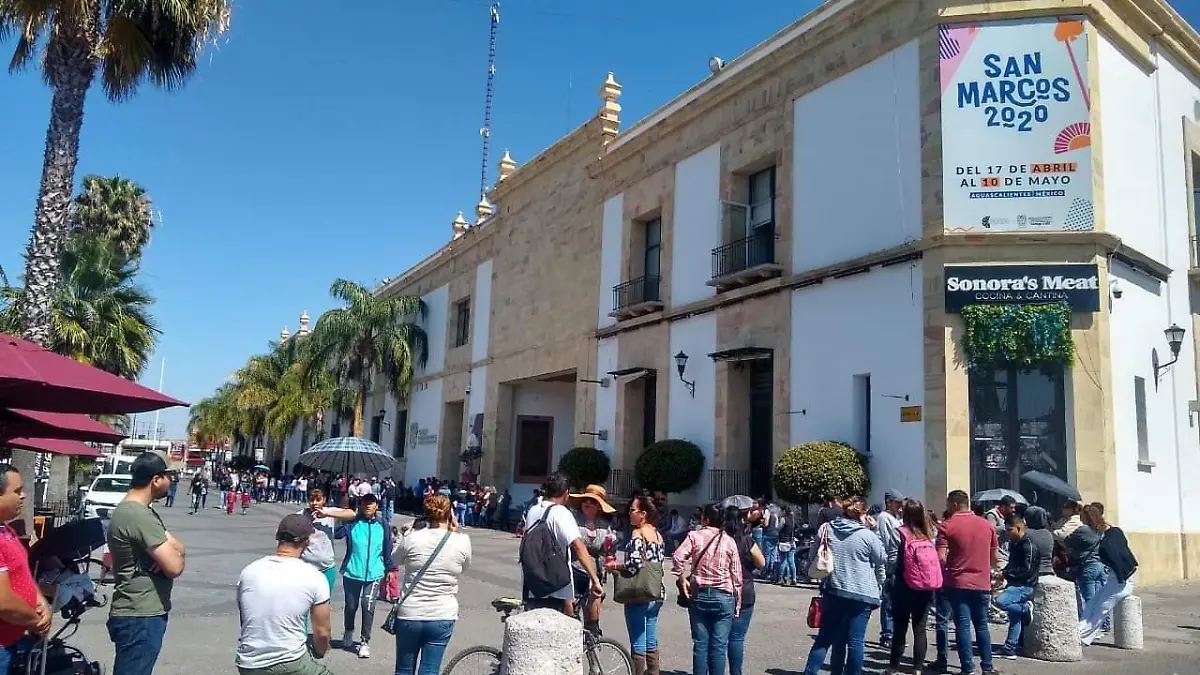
783, 233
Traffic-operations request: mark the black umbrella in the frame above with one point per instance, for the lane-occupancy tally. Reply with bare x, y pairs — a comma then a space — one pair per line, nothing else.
1052, 484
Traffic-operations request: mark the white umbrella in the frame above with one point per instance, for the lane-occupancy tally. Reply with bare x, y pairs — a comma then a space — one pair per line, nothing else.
349, 455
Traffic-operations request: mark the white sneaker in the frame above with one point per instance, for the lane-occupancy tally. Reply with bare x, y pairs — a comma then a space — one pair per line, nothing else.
348, 639
364, 651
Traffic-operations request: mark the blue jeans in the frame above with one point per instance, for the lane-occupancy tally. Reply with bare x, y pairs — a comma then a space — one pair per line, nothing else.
886, 624
137, 640
737, 640
971, 607
941, 624
1088, 581
787, 565
710, 613
1014, 600
385, 505
6, 657
770, 549
844, 628
641, 620
427, 639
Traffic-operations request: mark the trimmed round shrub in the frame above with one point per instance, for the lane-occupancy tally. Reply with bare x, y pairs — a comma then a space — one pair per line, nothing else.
669, 466
583, 466
809, 472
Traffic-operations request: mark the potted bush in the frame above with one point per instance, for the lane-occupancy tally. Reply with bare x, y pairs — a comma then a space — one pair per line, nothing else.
808, 472
584, 466
670, 465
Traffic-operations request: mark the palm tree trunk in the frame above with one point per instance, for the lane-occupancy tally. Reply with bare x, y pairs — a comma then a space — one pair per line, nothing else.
360, 409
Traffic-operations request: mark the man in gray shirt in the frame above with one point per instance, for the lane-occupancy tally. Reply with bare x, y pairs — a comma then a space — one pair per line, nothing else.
887, 526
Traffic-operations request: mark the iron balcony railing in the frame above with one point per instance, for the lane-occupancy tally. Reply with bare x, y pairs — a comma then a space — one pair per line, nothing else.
724, 483
636, 291
743, 254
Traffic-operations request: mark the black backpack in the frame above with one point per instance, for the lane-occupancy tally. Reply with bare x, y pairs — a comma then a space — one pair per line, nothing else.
545, 567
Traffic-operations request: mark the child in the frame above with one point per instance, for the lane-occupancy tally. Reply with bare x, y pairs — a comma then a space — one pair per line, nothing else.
245, 501
230, 501
1021, 575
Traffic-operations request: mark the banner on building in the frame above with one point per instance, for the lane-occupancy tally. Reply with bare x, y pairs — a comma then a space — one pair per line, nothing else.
1076, 285
1016, 126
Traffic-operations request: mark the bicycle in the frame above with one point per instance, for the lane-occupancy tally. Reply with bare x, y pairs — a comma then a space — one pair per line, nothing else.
595, 649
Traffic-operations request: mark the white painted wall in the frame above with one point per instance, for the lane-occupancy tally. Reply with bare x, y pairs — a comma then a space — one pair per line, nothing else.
291, 446
697, 226
606, 397
857, 175
436, 321
693, 419
425, 411
549, 399
610, 257
838, 332
481, 311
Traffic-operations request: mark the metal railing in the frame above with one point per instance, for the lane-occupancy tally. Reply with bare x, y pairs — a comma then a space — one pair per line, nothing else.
636, 291
724, 483
742, 254
620, 483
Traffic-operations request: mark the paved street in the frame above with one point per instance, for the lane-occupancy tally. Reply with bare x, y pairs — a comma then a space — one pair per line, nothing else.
204, 624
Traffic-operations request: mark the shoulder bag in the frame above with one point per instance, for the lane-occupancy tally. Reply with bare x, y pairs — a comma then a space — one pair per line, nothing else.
645, 585
681, 599
822, 565
389, 622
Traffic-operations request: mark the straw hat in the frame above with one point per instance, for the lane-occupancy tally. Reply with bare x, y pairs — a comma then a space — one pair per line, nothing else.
598, 494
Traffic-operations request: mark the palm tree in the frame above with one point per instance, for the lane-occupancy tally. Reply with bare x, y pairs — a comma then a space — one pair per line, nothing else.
124, 42
371, 336
100, 315
215, 419
116, 208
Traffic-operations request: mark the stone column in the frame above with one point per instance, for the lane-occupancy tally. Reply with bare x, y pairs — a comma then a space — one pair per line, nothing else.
542, 642
1053, 634
1127, 623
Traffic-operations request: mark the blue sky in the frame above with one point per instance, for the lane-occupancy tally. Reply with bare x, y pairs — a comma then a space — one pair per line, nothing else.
313, 145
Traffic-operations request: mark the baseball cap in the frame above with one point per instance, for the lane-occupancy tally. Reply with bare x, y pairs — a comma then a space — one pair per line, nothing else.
369, 497
146, 466
294, 527
893, 496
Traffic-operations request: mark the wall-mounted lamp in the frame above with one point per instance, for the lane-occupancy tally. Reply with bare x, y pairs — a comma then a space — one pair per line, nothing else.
603, 382
601, 435
1174, 336
681, 360
383, 418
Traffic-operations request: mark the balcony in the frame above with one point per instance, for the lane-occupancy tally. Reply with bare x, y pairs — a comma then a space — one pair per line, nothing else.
636, 297
745, 261
1194, 268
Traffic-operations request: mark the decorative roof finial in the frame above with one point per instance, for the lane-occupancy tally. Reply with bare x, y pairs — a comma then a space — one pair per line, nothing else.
483, 210
610, 110
507, 165
284, 334
303, 323
460, 225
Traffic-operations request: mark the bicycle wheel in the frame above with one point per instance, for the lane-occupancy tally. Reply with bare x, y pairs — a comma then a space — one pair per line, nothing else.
606, 656
479, 660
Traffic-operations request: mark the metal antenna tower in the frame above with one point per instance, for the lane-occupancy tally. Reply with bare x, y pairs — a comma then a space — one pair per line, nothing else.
486, 130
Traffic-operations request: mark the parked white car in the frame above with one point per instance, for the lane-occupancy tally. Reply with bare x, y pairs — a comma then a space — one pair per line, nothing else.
105, 492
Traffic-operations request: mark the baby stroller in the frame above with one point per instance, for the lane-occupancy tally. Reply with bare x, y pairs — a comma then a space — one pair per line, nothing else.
60, 563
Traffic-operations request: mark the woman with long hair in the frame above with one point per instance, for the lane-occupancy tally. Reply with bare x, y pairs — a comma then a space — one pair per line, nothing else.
709, 568
1118, 584
643, 547
752, 559
368, 561
911, 606
433, 559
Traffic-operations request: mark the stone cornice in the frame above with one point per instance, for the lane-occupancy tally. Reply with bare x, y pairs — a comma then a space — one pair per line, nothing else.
581, 136
451, 250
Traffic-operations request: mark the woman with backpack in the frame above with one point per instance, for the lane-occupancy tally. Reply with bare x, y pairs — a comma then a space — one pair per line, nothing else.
752, 561
917, 576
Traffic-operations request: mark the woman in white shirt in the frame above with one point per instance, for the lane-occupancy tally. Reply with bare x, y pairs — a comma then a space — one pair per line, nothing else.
433, 559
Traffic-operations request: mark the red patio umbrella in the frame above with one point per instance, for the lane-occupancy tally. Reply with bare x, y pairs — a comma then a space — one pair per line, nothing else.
33, 378
54, 446
66, 426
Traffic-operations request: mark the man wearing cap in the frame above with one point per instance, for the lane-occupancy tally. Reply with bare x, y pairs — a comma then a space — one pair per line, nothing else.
278, 595
887, 526
146, 560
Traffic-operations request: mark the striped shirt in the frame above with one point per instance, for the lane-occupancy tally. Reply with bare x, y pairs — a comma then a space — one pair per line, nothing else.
721, 565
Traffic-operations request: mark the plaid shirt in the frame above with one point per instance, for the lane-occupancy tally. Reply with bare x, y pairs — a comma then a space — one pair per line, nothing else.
721, 566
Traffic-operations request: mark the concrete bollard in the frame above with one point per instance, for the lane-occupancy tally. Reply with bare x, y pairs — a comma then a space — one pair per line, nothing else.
542, 642
1127, 623
1053, 634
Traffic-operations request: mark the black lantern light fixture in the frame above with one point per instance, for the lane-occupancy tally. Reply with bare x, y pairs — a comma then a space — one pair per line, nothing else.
383, 418
1174, 336
681, 360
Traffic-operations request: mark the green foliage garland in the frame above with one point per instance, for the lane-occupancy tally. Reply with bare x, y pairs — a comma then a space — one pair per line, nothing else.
1018, 335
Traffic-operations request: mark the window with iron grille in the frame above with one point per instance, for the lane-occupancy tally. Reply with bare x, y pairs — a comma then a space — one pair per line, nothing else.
462, 322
